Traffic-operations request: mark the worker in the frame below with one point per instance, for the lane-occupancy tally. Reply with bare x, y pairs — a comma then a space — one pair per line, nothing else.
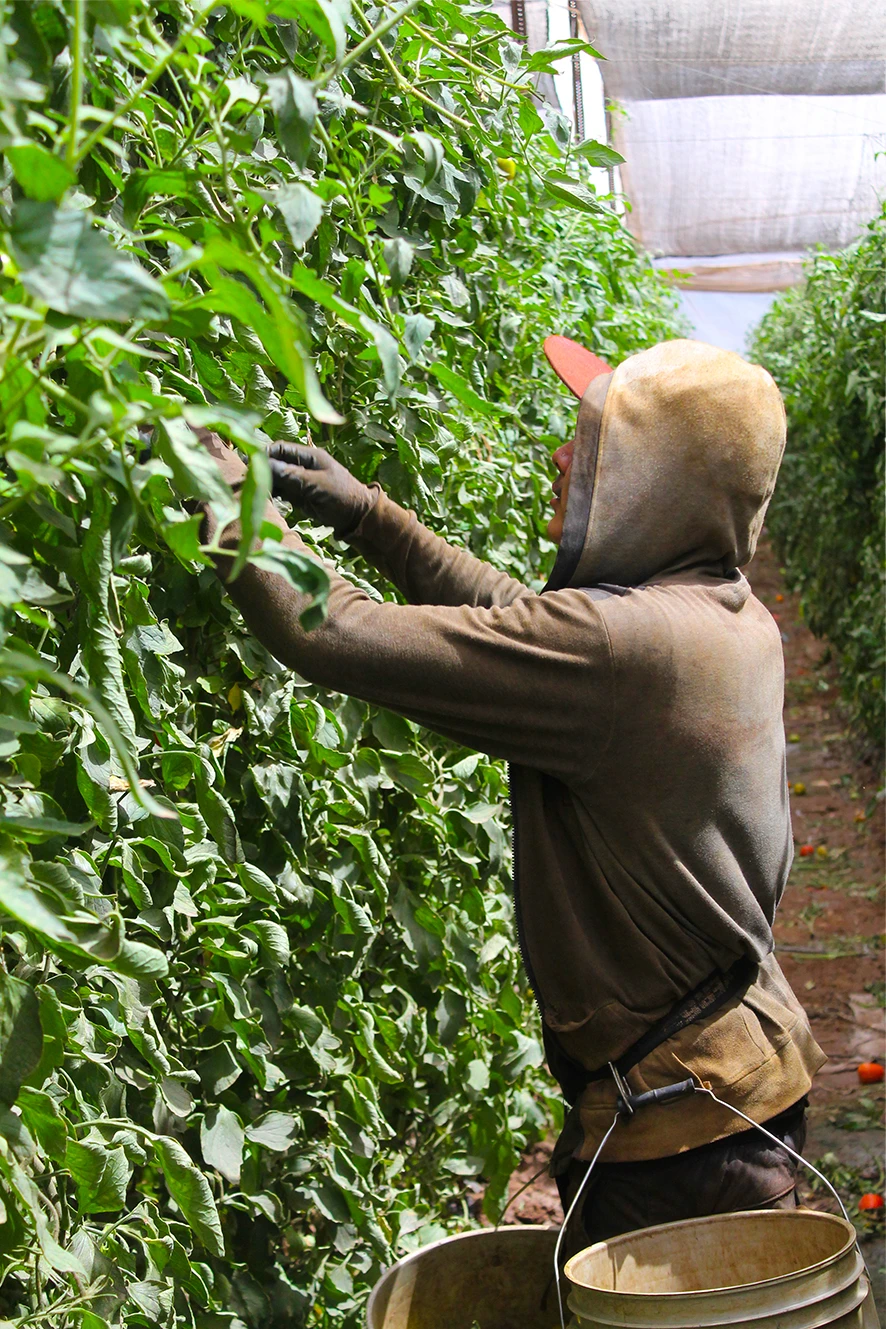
638, 699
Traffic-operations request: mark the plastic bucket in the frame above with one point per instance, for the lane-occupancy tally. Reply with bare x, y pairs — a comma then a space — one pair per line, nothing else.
500, 1278
776, 1269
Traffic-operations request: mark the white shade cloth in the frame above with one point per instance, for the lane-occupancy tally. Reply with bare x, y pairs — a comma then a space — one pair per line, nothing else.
727, 175
696, 48
748, 126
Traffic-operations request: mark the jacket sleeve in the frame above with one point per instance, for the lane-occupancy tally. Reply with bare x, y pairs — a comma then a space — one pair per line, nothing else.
423, 566
530, 681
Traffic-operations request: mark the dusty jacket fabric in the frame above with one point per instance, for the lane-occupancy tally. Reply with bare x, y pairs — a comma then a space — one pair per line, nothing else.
642, 722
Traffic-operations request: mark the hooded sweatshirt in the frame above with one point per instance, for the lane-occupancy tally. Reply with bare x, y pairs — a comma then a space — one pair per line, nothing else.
638, 699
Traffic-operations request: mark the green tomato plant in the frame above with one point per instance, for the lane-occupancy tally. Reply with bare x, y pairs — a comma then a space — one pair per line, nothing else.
823, 343
262, 1021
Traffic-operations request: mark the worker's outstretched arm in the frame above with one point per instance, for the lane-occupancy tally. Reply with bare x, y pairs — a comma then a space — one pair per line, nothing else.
423, 567
530, 681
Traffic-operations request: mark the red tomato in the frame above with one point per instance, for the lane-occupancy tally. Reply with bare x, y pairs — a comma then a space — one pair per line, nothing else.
871, 1201
870, 1072
807, 850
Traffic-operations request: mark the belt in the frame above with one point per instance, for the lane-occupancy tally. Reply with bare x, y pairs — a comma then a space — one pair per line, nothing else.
712, 993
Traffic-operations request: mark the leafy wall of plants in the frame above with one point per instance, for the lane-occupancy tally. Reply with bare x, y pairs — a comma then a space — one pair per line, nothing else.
823, 342
261, 1017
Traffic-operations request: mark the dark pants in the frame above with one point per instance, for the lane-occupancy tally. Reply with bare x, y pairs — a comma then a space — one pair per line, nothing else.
744, 1171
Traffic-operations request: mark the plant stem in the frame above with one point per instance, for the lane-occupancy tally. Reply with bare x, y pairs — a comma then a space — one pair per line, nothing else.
148, 82
462, 60
406, 86
367, 44
61, 394
119, 1123
63, 1306
76, 81
16, 333
348, 183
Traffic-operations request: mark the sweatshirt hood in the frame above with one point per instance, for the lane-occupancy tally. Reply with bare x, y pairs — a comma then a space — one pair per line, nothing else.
676, 455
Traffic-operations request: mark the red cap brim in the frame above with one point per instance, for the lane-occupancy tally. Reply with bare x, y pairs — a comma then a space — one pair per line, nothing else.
573, 364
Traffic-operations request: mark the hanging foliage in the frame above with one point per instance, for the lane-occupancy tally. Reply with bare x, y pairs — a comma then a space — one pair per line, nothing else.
261, 1017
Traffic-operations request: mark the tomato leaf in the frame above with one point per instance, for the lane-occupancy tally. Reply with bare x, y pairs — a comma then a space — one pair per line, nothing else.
190, 1190
68, 263
21, 1035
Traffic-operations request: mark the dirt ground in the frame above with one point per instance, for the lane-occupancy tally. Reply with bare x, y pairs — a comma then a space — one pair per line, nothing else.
829, 933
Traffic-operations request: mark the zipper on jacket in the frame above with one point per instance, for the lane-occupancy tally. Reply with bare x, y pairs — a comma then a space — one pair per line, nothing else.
518, 914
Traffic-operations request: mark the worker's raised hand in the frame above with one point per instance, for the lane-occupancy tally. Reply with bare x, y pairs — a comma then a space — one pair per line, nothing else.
323, 489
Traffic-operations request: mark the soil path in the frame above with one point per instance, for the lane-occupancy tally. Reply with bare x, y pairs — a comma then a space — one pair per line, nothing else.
829, 931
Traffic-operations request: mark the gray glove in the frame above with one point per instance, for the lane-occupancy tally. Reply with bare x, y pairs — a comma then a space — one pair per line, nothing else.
321, 487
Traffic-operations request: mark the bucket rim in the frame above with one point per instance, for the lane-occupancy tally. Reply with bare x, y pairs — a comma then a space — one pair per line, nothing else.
413, 1256
766, 1215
